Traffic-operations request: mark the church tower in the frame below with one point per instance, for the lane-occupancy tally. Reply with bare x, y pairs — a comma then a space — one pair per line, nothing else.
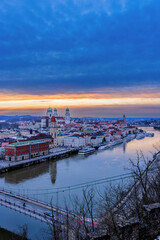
67, 117
124, 118
55, 113
49, 113
53, 130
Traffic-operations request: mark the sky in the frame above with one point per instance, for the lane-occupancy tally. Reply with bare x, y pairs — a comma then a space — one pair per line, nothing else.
97, 57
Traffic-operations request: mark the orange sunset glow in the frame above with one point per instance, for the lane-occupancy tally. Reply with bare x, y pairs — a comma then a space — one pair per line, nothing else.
18, 102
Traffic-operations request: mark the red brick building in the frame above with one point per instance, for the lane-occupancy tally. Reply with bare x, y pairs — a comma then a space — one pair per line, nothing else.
25, 150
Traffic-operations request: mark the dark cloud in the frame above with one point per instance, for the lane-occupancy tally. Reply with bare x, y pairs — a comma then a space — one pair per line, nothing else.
57, 46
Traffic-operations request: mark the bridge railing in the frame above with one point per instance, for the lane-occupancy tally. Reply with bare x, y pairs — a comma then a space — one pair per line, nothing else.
46, 204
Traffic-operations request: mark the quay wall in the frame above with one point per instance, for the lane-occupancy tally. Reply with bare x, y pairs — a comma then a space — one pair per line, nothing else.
40, 159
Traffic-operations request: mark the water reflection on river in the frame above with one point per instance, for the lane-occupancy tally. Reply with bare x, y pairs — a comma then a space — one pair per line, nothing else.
76, 169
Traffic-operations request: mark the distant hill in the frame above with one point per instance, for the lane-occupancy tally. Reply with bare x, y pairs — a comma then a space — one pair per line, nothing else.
114, 119
19, 118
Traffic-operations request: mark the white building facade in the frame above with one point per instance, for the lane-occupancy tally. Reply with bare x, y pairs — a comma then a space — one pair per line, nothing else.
74, 141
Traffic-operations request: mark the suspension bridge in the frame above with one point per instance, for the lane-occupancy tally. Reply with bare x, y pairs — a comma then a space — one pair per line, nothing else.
28, 201
31, 207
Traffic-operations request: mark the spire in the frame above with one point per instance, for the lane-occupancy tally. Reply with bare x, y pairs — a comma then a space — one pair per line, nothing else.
124, 118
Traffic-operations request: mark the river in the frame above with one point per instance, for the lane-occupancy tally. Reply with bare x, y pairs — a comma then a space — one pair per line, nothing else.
43, 181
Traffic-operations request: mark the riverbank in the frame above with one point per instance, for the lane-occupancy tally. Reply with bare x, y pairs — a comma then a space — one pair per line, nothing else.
59, 153
54, 155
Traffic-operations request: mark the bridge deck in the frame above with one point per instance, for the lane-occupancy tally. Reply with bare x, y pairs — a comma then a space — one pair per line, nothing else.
33, 208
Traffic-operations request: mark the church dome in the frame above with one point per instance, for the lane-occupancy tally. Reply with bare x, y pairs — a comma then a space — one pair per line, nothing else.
53, 119
55, 109
49, 110
67, 109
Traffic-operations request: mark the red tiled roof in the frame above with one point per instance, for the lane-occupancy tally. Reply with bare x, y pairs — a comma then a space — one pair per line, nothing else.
53, 119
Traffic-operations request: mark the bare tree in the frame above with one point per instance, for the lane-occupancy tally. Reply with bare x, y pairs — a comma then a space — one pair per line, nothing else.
54, 230
144, 189
85, 208
118, 205
76, 225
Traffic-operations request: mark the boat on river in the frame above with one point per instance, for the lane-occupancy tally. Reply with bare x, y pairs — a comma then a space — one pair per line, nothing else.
129, 138
86, 151
140, 136
157, 127
149, 134
116, 142
106, 146
111, 144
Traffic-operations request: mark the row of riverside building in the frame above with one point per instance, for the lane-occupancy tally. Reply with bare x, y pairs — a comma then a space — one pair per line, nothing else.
23, 150
76, 134
26, 150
